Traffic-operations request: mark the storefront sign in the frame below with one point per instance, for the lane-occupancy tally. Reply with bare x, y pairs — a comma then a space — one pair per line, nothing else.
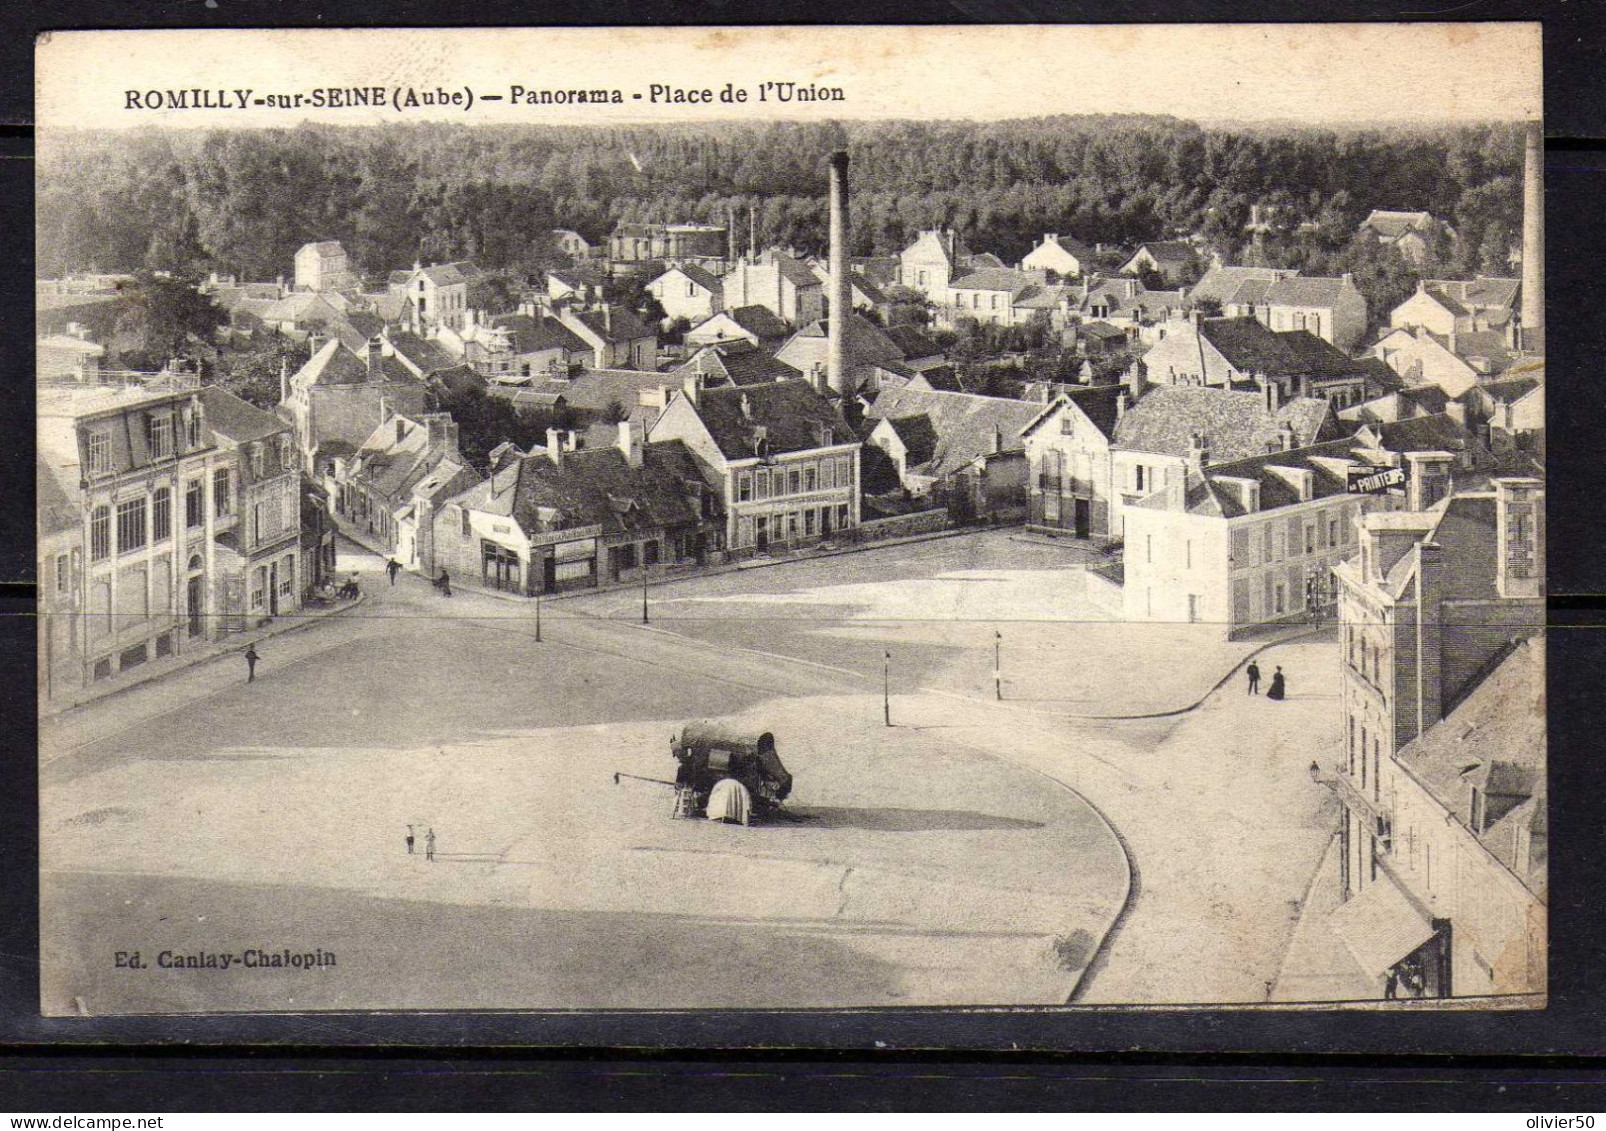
1375, 481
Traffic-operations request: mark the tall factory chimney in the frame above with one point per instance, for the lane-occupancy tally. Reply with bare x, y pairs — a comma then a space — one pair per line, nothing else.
841, 294
1533, 240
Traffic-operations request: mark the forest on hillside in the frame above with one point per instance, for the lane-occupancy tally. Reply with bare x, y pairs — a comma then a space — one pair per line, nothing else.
242, 201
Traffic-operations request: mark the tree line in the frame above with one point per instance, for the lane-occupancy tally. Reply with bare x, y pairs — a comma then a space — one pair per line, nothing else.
242, 201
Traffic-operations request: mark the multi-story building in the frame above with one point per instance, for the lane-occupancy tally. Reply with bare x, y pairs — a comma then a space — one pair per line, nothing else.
257, 571
324, 266
781, 283
571, 517
141, 474
338, 397
614, 335
642, 243
928, 264
1242, 353
781, 458
389, 491
436, 295
688, 292
1156, 434
1064, 256
1440, 596
1068, 459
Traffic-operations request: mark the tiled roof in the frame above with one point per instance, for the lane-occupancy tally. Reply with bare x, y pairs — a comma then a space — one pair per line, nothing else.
1169, 251
334, 364
1325, 463
1221, 284
620, 324
1495, 740
528, 334
789, 413
1236, 425
741, 362
794, 271
1393, 225
942, 379
967, 426
994, 279
867, 344
597, 486
912, 341
236, 419
1249, 347
1305, 290
427, 354
760, 321
919, 438
1100, 403
56, 509
692, 271
324, 247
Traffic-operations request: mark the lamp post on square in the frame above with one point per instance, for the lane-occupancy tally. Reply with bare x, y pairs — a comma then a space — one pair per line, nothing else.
886, 688
644, 618
998, 666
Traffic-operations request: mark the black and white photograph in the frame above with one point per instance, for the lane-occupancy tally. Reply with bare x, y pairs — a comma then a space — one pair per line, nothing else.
791, 519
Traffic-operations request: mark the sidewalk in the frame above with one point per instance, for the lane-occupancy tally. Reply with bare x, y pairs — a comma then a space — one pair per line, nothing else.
232, 644
1317, 967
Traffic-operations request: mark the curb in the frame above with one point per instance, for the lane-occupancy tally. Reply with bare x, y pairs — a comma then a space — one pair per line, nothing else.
1170, 712
217, 652
1304, 909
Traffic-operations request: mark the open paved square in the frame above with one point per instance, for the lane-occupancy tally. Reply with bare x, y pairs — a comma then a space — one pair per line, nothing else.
975, 851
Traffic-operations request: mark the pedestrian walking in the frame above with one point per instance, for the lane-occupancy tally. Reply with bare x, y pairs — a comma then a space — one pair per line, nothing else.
409, 840
1254, 678
1391, 988
445, 583
393, 567
1279, 686
251, 659
429, 846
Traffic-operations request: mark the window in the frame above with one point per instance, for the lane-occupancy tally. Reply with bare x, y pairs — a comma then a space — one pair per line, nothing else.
1138, 472
844, 471
162, 514
63, 573
256, 521
761, 485
744, 488
100, 451
131, 531
159, 428
222, 499
691, 290
287, 575
100, 534
809, 478
194, 504
1332, 533
1067, 425
794, 481
1310, 539
828, 474
259, 586
808, 522
467, 521
1189, 552
258, 461
1363, 757
192, 428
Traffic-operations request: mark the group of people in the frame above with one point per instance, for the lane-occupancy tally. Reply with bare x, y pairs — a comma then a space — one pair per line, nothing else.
1406, 975
429, 843
1279, 685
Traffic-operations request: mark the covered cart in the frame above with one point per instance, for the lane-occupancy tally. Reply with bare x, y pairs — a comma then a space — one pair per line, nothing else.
741, 774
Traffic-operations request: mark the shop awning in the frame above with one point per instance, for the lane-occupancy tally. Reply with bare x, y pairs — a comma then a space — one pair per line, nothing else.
1380, 926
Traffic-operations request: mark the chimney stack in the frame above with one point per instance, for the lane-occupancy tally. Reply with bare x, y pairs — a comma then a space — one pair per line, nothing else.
376, 350
841, 301
554, 446
752, 233
284, 379
1533, 240
629, 443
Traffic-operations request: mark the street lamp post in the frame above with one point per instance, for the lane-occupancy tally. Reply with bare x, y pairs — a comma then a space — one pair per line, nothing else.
644, 618
886, 688
998, 666
538, 616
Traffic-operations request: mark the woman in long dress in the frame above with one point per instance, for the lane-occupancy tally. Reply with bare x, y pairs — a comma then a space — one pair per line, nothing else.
1278, 688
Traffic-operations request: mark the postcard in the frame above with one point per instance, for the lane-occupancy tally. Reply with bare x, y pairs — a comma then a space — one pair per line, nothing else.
791, 518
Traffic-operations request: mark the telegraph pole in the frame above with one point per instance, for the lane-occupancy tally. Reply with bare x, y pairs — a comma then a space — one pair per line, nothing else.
886, 688
998, 665
538, 616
